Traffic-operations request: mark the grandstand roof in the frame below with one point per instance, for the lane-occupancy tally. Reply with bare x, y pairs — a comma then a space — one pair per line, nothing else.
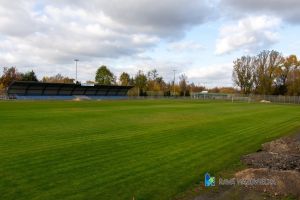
25, 88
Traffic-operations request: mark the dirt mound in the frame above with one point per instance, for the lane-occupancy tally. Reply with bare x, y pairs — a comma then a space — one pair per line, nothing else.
265, 101
281, 154
279, 160
274, 161
286, 182
286, 145
274, 172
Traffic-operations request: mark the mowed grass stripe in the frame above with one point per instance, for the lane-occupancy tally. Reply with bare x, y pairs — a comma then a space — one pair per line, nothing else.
150, 172
72, 163
151, 157
162, 143
64, 142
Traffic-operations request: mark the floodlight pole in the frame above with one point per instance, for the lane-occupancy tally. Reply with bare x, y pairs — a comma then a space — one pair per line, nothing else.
76, 60
174, 83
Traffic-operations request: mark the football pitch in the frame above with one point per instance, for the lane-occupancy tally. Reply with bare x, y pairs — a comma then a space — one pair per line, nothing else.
146, 149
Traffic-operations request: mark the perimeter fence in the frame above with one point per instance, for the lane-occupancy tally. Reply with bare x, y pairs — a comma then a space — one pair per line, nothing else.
248, 98
195, 96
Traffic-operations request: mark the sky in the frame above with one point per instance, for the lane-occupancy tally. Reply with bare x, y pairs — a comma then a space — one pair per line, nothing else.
198, 38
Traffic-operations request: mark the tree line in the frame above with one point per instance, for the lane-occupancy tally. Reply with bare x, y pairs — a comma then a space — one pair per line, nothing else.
11, 74
146, 84
152, 84
268, 73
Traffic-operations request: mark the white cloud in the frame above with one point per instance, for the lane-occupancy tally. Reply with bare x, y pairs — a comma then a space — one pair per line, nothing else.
166, 18
211, 76
55, 32
185, 46
249, 34
16, 18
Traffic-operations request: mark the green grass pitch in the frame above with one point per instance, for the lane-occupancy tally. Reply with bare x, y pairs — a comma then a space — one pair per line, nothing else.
149, 149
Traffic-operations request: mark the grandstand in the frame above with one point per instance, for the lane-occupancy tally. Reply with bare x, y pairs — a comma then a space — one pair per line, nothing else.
39, 90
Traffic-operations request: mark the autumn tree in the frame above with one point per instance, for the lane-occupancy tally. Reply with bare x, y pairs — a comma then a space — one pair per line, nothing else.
2, 89
291, 75
294, 82
227, 90
140, 81
196, 88
183, 84
124, 79
29, 76
9, 75
104, 76
161, 83
154, 81
58, 78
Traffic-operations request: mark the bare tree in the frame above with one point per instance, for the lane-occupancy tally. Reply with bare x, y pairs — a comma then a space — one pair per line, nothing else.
243, 73
267, 67
259, 73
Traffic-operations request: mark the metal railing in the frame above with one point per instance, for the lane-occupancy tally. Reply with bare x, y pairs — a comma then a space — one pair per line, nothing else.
250, 98
224, 97
276, 99
4, 97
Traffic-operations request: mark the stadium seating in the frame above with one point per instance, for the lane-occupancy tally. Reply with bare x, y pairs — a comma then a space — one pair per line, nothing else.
39, 90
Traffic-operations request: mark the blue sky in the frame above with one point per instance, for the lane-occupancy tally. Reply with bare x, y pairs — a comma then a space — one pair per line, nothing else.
198, 38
